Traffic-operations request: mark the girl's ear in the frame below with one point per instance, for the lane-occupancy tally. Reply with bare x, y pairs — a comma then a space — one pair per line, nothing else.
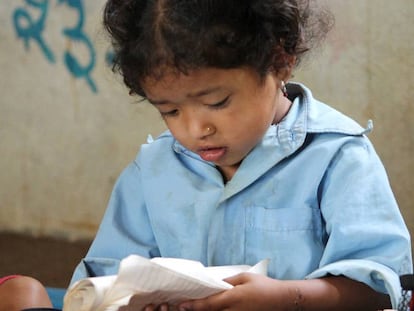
286, 72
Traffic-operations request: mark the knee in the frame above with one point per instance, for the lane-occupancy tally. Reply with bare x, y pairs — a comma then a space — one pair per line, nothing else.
23, 292
27, 285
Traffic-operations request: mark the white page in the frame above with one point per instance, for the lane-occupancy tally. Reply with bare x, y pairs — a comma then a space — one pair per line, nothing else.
159, 280
172, 281
88, 293
223, 272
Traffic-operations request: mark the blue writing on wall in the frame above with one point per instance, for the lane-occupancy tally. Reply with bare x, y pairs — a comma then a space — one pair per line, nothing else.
109, 57
27, 29
77, 34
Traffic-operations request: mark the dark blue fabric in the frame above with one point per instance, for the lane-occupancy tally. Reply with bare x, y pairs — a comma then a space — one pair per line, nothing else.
56, 296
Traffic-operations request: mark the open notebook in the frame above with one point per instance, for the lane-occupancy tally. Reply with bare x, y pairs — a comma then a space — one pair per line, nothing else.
156, 280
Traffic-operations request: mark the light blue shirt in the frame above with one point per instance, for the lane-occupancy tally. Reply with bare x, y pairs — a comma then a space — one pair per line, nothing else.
312, 196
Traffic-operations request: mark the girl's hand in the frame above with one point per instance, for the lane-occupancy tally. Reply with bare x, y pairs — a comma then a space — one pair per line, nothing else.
258, 292
250, 292
132, 307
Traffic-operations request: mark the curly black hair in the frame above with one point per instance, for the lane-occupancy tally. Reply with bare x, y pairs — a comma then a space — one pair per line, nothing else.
149, 36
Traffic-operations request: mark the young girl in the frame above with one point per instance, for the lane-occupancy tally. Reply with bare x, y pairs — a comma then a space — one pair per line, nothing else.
19, 292
252, 167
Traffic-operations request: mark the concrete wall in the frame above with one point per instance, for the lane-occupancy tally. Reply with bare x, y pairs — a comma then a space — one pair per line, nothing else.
68, 126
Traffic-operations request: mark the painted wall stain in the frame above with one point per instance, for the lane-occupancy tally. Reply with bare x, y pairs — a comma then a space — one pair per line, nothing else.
28, 29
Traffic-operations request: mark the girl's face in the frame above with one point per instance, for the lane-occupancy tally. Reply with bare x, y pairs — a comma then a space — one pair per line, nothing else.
220, 114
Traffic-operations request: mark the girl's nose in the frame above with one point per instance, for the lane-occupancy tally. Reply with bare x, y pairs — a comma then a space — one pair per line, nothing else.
210, 130
201, 128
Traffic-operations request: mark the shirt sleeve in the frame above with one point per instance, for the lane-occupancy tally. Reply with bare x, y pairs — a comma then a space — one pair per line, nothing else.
367, 239
125, 224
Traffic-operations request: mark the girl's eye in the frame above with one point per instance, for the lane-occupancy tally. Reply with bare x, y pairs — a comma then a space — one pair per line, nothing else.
221, 104
170, 113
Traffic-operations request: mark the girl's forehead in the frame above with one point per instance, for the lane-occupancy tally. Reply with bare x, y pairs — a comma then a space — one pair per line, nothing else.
199, 83
192, 84
207, 76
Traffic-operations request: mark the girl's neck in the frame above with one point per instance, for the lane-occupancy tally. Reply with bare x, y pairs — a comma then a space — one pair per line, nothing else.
283, 109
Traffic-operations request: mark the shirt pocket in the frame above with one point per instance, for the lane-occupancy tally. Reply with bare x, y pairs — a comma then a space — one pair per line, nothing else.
291, 237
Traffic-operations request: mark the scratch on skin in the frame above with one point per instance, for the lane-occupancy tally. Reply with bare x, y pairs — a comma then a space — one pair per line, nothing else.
298, 301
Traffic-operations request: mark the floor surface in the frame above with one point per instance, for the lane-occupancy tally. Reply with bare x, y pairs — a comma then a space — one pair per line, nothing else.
51, 261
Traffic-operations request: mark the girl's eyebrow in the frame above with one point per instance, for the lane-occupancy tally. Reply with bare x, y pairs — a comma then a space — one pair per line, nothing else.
157, 102
204, 92
190, 95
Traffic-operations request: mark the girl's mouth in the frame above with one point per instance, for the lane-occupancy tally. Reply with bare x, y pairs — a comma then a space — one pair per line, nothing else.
211, 154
